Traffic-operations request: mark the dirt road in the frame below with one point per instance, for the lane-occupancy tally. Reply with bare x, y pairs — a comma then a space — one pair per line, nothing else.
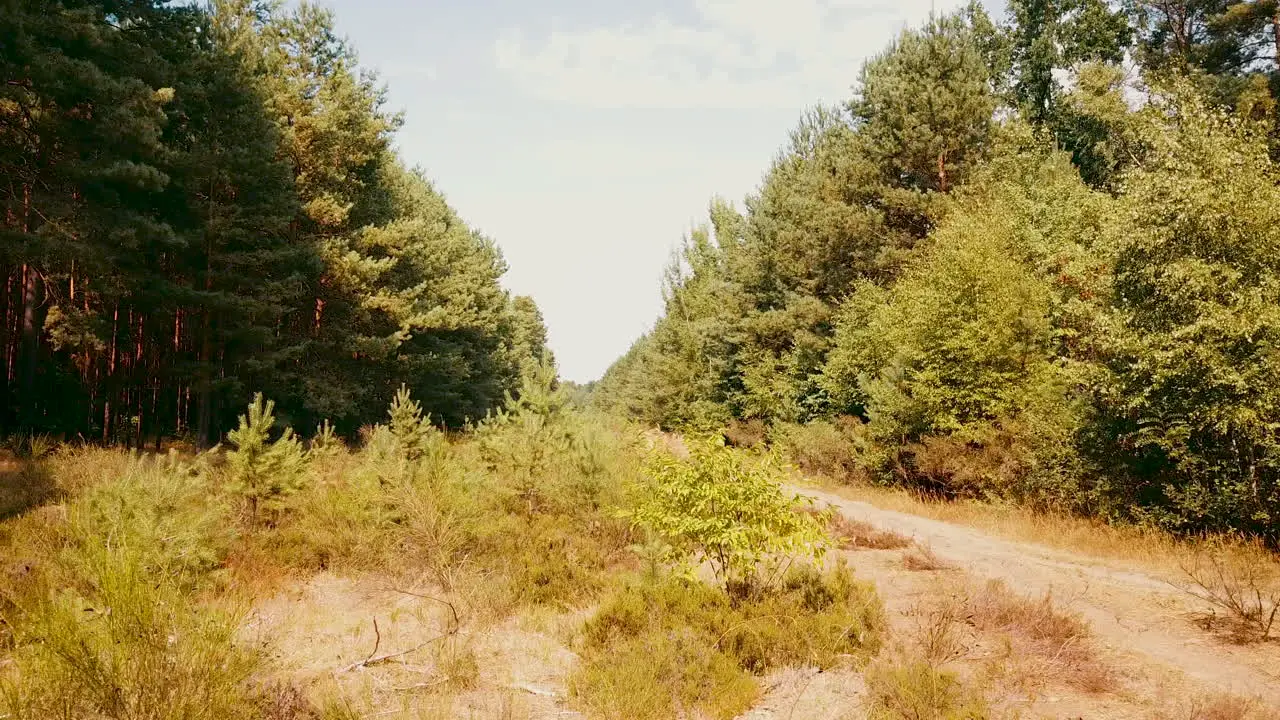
1141, 618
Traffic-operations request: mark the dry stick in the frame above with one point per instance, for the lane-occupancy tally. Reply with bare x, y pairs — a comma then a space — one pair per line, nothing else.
803, 690
421, 685
371, 660
457, 623
377, 640
390, 656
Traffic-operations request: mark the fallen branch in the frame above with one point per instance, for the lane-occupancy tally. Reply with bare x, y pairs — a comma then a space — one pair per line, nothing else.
457, 622
377, 640
535, 691
390, 656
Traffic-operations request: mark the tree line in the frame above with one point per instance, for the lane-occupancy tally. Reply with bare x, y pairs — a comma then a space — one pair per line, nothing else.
1034, 258
201, 202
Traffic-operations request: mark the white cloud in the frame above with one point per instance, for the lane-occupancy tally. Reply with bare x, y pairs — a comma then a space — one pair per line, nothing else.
738, 54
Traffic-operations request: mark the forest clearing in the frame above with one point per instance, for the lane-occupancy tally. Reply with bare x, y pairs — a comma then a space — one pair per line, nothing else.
510, 575
969, 411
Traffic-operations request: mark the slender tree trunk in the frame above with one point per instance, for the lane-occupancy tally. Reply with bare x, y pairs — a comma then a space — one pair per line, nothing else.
110, 394
1275, 33
29, 362
8, 348
204, 386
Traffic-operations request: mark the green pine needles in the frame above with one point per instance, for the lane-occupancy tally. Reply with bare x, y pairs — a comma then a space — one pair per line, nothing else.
412, 429
263, 472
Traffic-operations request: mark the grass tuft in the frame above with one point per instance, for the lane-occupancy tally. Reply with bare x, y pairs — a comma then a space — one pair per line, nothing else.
1061, 642
917, 690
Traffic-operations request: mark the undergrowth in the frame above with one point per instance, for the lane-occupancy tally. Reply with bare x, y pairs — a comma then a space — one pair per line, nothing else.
669, 646
124, 586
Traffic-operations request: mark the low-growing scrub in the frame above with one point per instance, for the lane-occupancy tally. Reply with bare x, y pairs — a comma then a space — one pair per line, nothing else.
671, 646
924, 559
835, 449
1217, 706
102, 621
917, 690
1060, 642
127, 600
752, 433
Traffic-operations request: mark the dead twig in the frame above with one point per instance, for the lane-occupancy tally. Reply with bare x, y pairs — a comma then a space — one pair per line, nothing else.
377, 641
390, 656
457, 622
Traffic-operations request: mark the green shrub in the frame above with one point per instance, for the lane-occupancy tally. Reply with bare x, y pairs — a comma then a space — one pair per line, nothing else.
717, 507
839, 449
105, 623
658, 676
347, 519
135, 647
670, 646
813, 619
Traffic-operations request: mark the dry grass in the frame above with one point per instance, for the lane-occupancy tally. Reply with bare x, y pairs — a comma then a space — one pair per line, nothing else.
924, 559
1216, 707
1149, 549
1053, 644
938, 634
852, 534
907, 689
1247, 594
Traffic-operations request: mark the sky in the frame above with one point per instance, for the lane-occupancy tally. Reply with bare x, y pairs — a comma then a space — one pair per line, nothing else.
588, 137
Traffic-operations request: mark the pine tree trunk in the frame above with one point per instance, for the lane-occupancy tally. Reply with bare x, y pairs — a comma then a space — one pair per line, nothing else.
204, 389
29, 354
8, 349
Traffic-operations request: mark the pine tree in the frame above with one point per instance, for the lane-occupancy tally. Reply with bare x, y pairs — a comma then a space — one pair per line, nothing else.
263, 472
411, 429
925, 106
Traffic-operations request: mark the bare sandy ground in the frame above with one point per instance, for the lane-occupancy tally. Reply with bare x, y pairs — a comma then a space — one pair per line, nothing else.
1144, 626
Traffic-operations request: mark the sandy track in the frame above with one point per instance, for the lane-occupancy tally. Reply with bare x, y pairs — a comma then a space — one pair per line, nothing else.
1133, 614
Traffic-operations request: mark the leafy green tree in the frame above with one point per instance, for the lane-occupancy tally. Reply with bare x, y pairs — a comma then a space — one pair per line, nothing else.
718, 507
963, 337
1188, 417
1051, 36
